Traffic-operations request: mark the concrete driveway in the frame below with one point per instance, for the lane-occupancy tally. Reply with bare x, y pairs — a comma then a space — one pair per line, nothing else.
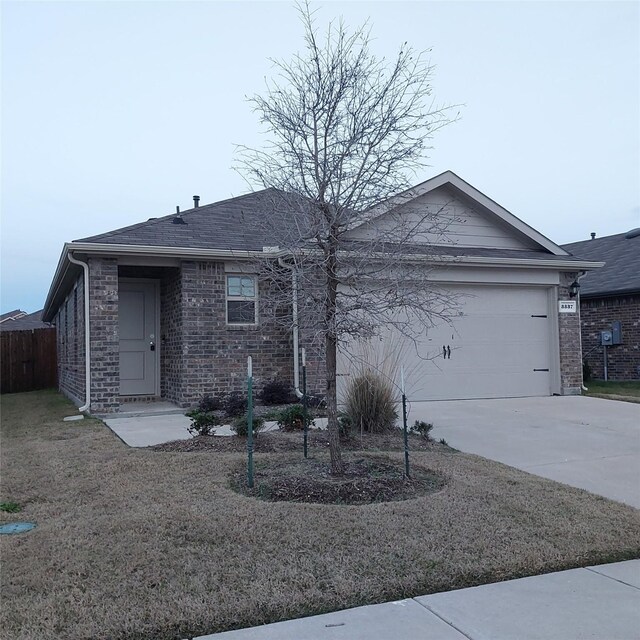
589, 443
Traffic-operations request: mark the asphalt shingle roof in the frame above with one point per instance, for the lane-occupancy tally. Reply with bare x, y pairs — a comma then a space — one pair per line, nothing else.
621, 273
234, 224
25, 322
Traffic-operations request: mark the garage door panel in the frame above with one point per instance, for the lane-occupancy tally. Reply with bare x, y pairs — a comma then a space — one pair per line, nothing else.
497, 343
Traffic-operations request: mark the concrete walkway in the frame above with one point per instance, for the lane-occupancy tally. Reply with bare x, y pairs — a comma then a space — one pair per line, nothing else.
601, 603
158, 428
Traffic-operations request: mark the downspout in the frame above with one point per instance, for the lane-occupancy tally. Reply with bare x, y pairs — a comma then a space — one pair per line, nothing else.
87, 343
296, 356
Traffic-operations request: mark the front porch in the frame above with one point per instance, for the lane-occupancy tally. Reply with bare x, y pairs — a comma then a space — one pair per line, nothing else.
159, 334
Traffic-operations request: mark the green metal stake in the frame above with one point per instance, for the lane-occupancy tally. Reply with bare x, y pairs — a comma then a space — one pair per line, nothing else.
304, 400
404, 423
249, 423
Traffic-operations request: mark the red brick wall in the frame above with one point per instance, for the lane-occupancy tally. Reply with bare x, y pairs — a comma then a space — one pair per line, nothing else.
569, 336
69, 323
597, 315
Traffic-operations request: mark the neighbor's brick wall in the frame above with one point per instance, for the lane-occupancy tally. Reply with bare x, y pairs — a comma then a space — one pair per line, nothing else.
597, 315
69, 322
103, 312
569, 336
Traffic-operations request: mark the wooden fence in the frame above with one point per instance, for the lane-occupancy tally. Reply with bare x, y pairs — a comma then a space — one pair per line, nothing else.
28, 360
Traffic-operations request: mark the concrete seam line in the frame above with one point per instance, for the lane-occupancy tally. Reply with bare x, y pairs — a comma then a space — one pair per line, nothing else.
604, 575
437, 615
548, 464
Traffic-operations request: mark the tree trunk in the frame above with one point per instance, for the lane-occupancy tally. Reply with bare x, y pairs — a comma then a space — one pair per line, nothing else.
331, 352
337, 465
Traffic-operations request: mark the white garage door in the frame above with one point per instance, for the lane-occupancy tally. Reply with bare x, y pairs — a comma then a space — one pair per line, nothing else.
499, 347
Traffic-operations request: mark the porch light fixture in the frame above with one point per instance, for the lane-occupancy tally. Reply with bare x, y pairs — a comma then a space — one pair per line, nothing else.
574, 289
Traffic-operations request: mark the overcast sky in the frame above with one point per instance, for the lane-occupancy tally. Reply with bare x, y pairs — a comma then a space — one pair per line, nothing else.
114, 112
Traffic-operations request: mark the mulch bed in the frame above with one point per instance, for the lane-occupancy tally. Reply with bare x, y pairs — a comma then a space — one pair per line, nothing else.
366, 480
280, 441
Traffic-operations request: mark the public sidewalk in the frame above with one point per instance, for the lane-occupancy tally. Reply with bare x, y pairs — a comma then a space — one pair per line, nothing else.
600, 603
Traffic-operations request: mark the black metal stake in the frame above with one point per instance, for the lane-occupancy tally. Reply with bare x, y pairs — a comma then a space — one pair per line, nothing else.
406, 436
249, 423
304, 402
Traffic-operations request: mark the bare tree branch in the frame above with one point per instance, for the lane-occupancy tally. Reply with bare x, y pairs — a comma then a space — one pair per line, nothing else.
346, 132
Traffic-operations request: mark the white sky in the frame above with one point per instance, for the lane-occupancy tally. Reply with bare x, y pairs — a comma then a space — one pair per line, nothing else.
114, 112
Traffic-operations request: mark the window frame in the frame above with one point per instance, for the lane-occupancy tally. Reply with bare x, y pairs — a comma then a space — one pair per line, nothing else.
241, 298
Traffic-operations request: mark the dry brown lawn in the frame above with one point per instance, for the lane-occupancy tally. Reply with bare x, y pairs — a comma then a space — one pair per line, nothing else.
146, 544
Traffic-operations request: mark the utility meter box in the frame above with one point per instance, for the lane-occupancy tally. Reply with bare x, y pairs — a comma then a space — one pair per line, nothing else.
616, 332
606, 338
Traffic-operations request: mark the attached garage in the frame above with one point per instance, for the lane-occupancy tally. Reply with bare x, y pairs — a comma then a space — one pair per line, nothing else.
500, 346
506, 336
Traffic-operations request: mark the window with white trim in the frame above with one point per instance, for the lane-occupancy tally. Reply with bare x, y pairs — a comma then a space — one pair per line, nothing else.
242, 302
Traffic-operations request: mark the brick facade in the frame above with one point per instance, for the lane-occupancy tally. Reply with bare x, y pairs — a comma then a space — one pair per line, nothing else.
69, 322
214, 354
199, 353
597, 315
103, 313
569, 338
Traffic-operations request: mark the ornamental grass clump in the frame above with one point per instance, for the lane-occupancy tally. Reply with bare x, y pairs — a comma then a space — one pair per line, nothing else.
371, 396
371, 402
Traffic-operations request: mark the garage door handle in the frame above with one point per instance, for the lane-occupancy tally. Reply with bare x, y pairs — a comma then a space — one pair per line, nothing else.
536, 316
541, 369
446, 352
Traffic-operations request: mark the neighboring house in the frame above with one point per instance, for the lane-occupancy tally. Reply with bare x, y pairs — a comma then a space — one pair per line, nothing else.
174, 307
12, 315
23, 321
608, 295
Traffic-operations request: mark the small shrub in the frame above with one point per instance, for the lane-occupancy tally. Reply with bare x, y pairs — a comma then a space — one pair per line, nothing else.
203, 423
444, 442
345, 425
293, 418
235, 404
276, 392
210, 403
422, 428
10, 507
240, 423
370, 402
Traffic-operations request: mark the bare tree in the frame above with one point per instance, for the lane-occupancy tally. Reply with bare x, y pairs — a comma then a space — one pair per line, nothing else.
347, 130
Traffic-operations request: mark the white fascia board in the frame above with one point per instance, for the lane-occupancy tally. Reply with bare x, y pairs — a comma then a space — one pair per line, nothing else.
519, 262
448, 177
487, 261
95, 248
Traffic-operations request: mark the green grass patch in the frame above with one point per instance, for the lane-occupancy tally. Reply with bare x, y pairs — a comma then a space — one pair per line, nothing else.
628, 389
10, 507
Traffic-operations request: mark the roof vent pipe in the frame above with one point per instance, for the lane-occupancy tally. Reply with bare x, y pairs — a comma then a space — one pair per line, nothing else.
196, 202
593, 235
178, 219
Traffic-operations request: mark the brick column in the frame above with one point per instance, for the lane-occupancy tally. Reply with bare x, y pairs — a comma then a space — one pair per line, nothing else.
570, 343
103, 313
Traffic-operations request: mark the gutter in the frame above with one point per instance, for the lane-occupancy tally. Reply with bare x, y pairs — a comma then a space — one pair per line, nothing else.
296, 356
87, 335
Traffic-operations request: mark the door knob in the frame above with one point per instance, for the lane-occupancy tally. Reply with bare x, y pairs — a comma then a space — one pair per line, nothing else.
152, 346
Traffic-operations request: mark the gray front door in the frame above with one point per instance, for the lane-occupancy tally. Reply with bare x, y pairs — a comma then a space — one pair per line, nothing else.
138, 339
